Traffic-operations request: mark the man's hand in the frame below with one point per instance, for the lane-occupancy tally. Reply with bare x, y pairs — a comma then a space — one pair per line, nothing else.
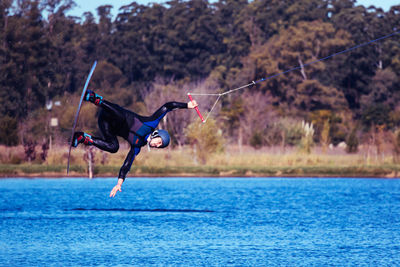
116, 188
192, 104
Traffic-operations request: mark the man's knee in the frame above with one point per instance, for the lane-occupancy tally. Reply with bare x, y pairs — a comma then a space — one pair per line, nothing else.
114, 148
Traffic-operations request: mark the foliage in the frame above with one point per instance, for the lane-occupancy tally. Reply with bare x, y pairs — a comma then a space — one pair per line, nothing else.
396, 146
258, 114
153, 52
382, 89
205, 138
8, 131
291, 130
296, 46
307, 137
377, 114
325, 140
352, 142
35, 127
256, 139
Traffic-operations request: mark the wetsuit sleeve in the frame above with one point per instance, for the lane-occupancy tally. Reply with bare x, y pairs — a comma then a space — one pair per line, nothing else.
128, 162
174, 105
167, 107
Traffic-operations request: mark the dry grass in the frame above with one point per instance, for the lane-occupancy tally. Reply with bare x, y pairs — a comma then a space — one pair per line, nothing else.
234, 161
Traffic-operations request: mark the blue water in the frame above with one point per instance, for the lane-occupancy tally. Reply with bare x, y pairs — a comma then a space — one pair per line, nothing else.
197, 222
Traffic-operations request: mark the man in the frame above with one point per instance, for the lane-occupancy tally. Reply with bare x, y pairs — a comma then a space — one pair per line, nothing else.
137, 130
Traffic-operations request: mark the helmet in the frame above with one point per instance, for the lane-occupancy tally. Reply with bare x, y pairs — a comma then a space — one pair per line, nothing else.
164, 135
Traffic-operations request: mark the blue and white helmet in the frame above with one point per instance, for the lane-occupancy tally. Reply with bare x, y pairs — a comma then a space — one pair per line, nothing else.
164, 135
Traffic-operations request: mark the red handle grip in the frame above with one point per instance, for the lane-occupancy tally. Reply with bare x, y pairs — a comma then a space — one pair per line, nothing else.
196, 108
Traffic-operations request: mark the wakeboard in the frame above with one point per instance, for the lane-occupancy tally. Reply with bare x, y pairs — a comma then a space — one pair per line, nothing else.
78, 110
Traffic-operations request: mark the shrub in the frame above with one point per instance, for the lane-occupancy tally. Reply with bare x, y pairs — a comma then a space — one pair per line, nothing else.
256, 140
307, 137
352, 142
8, 131
396, 147
206, 138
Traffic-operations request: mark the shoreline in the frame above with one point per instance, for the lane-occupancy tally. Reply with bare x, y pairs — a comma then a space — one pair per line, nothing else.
47, 176
269, 171
185, 175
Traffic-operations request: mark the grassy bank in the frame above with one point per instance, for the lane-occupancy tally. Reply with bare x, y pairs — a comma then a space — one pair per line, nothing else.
26, 170
182, 162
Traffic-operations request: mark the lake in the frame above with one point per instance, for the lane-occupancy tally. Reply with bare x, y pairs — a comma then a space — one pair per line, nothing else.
200, 222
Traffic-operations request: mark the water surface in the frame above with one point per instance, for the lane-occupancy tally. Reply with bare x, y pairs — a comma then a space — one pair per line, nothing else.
200, 221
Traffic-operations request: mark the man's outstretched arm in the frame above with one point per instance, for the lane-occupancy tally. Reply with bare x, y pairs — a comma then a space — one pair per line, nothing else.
169, 106
125, 169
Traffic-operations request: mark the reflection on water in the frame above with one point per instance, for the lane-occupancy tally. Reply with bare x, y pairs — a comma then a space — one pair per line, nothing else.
140, 210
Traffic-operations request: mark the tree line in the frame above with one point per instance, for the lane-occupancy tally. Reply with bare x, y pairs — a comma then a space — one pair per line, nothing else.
151, 53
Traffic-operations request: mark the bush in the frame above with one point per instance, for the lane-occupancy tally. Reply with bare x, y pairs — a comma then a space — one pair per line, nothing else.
256, 140
11, 155
15, 159
206, 138
293, 134
8, 131
352, 142
378, 114
307, 138
396, 147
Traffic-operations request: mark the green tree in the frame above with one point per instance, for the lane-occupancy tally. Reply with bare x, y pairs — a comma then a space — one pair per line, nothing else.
9, 78
377, 114
360, 65
25, 61
271, 16
234, 40
105, 28
383, 89
63, 62
130, 32
300, 90
392, 50
110, 82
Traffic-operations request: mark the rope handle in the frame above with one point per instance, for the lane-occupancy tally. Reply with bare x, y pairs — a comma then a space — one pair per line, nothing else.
197, 109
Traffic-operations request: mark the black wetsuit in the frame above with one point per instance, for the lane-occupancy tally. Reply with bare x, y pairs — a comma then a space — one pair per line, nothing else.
116, 121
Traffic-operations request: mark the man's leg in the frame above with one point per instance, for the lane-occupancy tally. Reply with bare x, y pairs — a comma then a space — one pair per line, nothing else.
82, 138
109, 143
111, 114
93, 97
112, 109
